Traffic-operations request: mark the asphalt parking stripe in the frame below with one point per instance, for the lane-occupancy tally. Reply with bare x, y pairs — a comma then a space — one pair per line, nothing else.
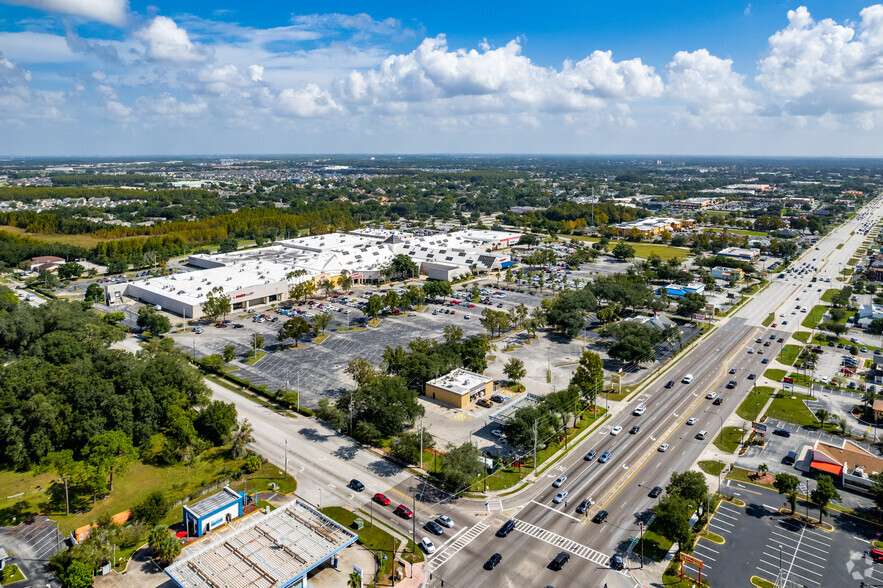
719, 522
787, 537
719, 530
720, 514
819, 549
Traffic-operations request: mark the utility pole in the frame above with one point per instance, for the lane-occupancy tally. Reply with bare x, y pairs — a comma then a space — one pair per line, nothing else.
535, 448
414, 523
642, 544
421, 444
298, 391
286, 458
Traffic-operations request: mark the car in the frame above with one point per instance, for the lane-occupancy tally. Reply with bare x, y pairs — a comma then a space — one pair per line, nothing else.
664, 447
616, 430
498, 398
639, 410
752, 376
775, 325
687, 379
773, 337
583, 506
718, 401
701, 434
237, 325
766, 344
468, 316
616, 563
670, 384
657, 490
222, 325
498, 433
356, 485
840, 346
758, 340
605, 457
751, 350
404, 512
765, 360
485, 403
782, 432
199, 330
560, 559
445, 521
732, 370
731, 384
427, 545
381, 499
434, 527
634, 430
590, 455
864, 349
600, 516
559, 480
711, 394
506, 528
492, 561
691, 421
560, 496
780, 340
784, 323
760, 351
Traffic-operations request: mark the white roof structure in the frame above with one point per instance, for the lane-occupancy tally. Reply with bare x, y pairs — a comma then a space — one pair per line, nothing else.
267, 551
460, 381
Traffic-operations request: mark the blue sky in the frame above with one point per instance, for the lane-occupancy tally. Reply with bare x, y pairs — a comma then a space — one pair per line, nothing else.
118, 77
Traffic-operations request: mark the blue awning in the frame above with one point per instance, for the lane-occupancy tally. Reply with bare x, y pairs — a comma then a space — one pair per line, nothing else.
505, 264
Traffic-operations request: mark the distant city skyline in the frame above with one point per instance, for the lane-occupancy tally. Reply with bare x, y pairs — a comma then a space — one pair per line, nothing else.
118, 77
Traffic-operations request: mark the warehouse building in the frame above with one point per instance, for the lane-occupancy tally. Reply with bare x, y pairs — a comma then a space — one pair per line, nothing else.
459, 388
652, 227
275, 550
262, 276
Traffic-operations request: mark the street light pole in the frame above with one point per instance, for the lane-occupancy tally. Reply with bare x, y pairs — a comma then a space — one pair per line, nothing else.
642, 544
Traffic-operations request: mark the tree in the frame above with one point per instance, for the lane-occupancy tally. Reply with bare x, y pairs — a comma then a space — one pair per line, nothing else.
673, 518
152, 509
94, 293
66, 468
391, 300
632, 349
589, 376
461, 464
156, 536
361, 371
623, 251
406, 446
293, 328
110, 452
824, 494
168, 549
70, 269
689, 485
215, 422
495, 321
374, 306
690, 304
77, 575
240, 437
877, 490
321, 321
453, 333
345, 282
823, 416
229, 353
400, 266
519, 428
514, 370
788, 484
327, 285
762, 469
217, 304
354, 581
152, 321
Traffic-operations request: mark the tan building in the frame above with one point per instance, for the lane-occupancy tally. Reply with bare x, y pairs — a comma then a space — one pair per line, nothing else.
459, 388
847, 463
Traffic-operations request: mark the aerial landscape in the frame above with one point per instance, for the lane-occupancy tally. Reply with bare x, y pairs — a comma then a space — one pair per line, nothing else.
325, 294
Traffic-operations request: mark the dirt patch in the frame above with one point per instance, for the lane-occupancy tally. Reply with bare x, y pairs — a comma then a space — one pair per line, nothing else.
762, 478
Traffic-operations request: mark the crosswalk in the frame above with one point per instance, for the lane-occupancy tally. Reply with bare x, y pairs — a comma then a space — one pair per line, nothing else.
494, 504
451, 550
557, 540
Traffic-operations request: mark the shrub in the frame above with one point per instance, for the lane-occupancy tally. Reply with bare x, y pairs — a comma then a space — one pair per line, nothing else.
152, 509
252, 464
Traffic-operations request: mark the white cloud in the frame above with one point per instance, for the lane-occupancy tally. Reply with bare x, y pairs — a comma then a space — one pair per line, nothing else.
110, 11
306, 103
167, 42
226, 78
167, 105
712, 91
32, 47
19, 101
500, 79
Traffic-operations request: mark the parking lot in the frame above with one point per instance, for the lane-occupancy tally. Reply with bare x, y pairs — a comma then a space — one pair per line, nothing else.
30, 544
757, 538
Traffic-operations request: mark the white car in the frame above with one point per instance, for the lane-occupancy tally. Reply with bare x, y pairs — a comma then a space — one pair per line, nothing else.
427, 545
560, 480
445, 521
664, 447
639, 410
711, 394
616, 430
751, 349
498, 433
560, 496
691, 421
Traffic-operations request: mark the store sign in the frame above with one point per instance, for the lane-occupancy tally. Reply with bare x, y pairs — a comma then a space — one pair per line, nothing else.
244, 295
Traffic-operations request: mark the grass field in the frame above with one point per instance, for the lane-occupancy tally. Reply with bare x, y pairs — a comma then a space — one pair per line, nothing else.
755, 400
85, 241
729, 438
802, 336
789, 407
712, 468
828, 295
774, 374
815, 316
644, 250
788, 354
371, 536
769, 319
177, 481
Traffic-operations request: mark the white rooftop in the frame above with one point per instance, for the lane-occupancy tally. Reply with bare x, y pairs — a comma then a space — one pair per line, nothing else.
460, 381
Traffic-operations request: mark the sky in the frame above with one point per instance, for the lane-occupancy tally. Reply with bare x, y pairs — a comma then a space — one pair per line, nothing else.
669, 77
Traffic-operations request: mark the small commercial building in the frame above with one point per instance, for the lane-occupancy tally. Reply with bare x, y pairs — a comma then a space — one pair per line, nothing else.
740, 253
677, 291
459, 388
847, 463
212, 512
651, 227
730, 274
275, 550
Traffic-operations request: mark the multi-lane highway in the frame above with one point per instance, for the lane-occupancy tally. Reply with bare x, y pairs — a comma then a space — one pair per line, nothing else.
622, 485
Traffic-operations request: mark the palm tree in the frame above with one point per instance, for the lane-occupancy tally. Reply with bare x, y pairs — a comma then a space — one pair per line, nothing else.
355, 580
822, 415
762, 469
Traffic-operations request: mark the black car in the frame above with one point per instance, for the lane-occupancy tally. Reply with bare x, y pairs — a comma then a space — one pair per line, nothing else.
657, 490
356, 485
616, 563
731, 384
782, 432
237, 325
600, 517
634, 430
670, 384
497, 398
434, 527
492, 562
560, 559
751, 376
506, 528
718, 401
583, 506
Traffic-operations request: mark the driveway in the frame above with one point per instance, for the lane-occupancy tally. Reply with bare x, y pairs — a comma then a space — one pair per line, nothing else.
141, 572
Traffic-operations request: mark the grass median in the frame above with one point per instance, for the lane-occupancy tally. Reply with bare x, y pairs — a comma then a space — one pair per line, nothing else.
729, 438
755, 401
815, 316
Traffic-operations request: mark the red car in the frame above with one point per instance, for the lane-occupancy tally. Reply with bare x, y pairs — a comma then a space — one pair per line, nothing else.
404, 511
221, 325
381, 498
470, 306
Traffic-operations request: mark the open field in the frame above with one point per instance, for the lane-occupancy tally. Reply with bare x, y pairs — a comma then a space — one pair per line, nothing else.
85, 241
643, 250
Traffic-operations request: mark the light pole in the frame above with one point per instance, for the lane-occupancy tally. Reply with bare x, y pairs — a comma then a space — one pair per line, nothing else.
721, 430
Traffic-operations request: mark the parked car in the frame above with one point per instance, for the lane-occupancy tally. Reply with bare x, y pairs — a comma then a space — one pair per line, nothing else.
485, 403
782, 432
